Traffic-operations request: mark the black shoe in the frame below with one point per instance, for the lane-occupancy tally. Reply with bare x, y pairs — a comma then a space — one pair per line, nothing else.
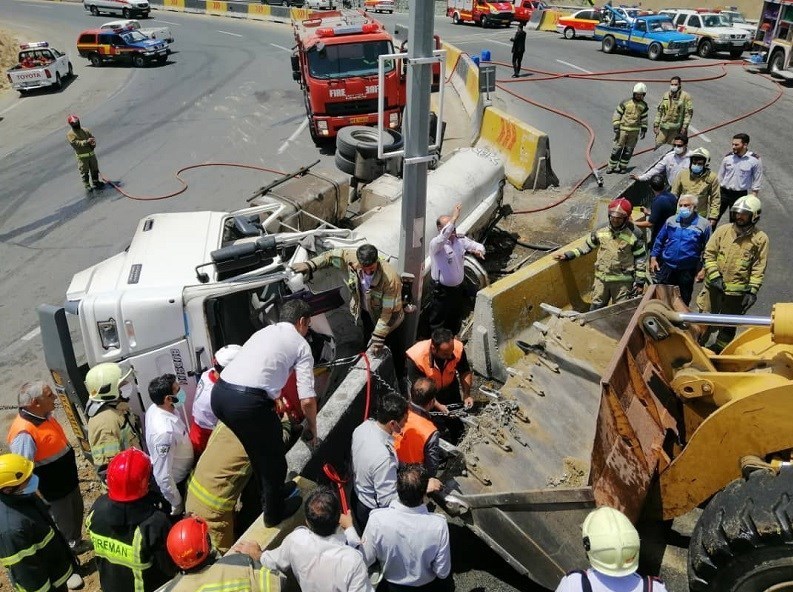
622, 170
288, 489
99, 184
514, 76
290, 506
611, 170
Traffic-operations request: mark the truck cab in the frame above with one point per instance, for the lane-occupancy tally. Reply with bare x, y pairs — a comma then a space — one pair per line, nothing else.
481, 12
39, 66
654, 36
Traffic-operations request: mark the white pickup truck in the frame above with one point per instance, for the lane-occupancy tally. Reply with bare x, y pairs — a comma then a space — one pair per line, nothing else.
161, 33
39, 66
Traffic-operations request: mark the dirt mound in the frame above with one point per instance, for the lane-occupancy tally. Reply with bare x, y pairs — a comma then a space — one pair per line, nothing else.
9, 50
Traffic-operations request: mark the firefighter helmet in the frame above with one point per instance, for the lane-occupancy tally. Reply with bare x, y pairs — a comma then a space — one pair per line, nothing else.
611, 542
128, 475
225, 354
750, 204
188, 542
14, 470
640, 88
103, 381
620, 207
701, 153
73, 120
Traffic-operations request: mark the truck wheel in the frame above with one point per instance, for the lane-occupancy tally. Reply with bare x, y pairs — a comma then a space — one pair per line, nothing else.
456, 19
655, 51
70, 74
608, 44
94, 10
361, 139
705, 48
58, 82
569, 33
95, 59
138, 61
483, 22
125, 12
736, 53
777, 61
742, 541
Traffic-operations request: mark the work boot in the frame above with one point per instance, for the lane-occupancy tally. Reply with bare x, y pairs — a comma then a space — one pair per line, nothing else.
75, 582
622, 170
611, 170
290, 506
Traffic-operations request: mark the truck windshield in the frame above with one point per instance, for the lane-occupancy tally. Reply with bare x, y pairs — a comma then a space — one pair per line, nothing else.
345, 61
133, 37
714, 20
658, 26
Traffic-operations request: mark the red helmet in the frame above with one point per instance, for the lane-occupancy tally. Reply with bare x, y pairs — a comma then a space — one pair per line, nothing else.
72, 119
128, 475
620, 206
188, 542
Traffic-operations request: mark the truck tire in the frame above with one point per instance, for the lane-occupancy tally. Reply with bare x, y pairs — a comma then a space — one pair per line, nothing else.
58, 82
70, 73
94, 10
138, 61
776, 62
456, 19
483, 22
345, 165
125, 12
736, 53
655, 51
705, 49
95, 59
743, 542
609, 44
361, 139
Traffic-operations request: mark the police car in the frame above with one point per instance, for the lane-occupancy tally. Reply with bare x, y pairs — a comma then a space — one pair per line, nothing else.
113, 45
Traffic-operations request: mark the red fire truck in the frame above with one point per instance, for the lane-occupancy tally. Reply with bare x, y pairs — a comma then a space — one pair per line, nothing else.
335, 62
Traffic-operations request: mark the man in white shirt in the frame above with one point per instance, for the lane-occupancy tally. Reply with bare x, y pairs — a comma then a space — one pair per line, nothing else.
674, 161
318, 556
204, 421
420, 560
168, 441
244, 395
447, 254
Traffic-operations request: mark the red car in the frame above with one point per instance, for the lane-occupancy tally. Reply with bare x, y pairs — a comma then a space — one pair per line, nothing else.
524, 8
579, 24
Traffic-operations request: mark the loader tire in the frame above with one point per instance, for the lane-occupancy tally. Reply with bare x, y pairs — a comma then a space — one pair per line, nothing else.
743, 542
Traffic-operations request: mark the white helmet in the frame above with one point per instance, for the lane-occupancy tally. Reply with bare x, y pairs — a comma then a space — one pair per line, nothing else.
701, 153
748, 203
611, 542
104, 381
640, 88
225, 354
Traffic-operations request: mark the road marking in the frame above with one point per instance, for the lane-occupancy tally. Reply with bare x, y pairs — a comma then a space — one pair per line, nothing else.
574, 66
167, 22
227, 33
30, 334
699, 134
281, 47
294, 136
499, 42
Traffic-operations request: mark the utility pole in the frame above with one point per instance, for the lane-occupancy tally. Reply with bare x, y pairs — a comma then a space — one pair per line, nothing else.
416, 137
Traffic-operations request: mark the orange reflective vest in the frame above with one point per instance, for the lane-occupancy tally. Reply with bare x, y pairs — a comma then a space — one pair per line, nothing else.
420, 354
410, 443
51, 441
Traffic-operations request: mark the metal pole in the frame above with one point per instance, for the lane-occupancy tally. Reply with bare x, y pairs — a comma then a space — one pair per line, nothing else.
416, 136
724, 320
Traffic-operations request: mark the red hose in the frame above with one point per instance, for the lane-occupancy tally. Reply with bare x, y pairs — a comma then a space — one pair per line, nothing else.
333, 475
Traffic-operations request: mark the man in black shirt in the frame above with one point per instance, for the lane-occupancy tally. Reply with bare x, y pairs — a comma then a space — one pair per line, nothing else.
518, 47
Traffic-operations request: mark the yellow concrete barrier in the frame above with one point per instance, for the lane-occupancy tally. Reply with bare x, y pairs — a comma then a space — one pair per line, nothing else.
217, 7
452, 55
177, 5
549, 20
525, 150
300, 14
258, 11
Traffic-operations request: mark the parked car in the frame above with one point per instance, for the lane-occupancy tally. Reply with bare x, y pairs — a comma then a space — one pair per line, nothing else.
102, 45
579, 24
712, 32
295, 3
126, 8
388, 6
163, 33
39, 66
525, 8
319, 4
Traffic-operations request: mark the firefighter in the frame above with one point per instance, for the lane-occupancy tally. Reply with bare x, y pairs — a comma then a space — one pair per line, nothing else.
112, 426
699, 180
32, 548
735, 259
127, 530
630, 126
83, 142
673, 114
620, 270
190, 548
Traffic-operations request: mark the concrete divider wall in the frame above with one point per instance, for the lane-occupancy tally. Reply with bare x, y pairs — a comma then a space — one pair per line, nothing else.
249, 10
535, 20
505, 310
549, 20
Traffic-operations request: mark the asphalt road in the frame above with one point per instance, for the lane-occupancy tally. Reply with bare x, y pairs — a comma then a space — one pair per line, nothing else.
226, 95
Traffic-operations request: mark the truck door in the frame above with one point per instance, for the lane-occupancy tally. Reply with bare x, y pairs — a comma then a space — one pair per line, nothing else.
638, 37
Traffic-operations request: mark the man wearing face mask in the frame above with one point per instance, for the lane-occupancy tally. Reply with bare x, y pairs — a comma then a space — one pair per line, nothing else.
679, 247
620, 267
630, 125
673, 114
735, 259
674, 161
112, 426
168, 440
700, 181
32, 548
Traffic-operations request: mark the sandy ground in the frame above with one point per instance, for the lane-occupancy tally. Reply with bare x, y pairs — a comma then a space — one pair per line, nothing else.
9, 50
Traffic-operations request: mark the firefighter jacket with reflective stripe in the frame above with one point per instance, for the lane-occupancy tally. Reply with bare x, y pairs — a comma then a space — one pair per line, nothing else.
220, 475
630, 116
233, 573
740, 258
422, 358
704, 186
621, 254
56, 465
32, 548
383, 299
410, 444
112, 429
129, 543
674, 112
80, 141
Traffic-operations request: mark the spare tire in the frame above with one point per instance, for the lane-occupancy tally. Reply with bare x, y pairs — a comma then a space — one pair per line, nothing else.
361, 139
345, 165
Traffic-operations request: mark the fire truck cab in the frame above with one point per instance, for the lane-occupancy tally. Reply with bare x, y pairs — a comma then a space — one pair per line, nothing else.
335, 61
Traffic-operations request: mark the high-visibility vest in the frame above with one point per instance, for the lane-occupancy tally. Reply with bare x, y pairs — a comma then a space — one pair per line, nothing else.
51, 441
420, 354
410, 443
232, 573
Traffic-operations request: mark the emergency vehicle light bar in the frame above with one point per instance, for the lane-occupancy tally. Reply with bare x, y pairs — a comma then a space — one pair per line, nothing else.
34, 45
348, 30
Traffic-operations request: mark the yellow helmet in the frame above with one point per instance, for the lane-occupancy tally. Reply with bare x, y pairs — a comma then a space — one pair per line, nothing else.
611, 542
14, 470
103, 381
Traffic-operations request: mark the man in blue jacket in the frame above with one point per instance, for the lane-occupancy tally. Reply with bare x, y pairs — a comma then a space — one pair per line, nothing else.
679, 247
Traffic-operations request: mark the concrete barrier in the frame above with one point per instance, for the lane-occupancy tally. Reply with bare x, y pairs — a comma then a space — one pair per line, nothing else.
525, 150
259, 12
535, 20
505, 310
174, 5
452, 55
549, 20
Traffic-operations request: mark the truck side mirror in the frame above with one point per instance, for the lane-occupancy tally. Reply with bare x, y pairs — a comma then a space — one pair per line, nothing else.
295, 62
